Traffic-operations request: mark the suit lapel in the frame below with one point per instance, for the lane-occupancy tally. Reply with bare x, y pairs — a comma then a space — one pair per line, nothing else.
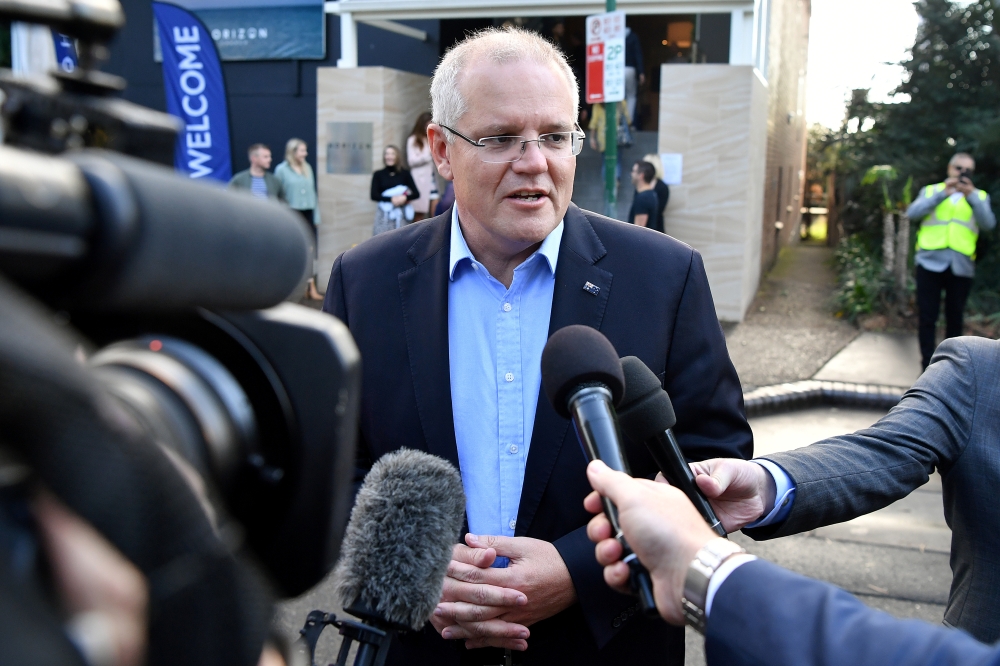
423, 291
571, 304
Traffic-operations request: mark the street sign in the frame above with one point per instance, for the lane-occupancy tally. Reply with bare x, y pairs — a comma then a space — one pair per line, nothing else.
605, 58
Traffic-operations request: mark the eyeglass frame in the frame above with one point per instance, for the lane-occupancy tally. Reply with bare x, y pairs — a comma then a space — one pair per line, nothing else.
524, 142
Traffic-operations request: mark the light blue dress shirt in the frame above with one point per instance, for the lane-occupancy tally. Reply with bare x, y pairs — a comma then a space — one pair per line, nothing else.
495, 341
784, 494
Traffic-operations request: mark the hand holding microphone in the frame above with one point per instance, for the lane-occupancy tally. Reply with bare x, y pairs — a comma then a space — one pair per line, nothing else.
646, 415
582, 377
728, 492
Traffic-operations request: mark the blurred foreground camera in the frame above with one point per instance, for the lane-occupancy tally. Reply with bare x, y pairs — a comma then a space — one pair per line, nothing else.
151, 375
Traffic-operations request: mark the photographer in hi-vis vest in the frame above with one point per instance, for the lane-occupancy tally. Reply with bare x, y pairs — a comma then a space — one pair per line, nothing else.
951, 214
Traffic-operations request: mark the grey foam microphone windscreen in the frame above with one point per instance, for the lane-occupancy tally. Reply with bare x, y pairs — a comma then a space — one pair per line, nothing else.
407, 517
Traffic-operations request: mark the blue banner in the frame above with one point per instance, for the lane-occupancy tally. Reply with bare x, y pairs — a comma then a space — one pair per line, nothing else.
65, 51
196, 93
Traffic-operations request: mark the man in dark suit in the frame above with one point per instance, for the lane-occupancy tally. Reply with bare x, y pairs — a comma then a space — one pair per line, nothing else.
451, 316
753, 612
950, 421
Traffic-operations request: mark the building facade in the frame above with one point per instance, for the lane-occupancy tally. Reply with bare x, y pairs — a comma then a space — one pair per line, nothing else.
724, 87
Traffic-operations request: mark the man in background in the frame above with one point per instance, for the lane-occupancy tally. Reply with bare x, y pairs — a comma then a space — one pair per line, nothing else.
257, 179
950, 215
634, 72
645, 205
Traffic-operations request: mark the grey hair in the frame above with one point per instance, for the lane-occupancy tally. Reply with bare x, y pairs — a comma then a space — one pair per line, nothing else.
498, 46
961, 154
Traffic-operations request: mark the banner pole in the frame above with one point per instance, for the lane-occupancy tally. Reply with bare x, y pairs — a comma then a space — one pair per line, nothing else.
610, 147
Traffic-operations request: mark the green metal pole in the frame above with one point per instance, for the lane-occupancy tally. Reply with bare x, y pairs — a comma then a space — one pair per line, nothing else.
610, 147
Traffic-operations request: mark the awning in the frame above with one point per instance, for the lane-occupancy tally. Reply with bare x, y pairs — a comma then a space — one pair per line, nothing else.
365, 10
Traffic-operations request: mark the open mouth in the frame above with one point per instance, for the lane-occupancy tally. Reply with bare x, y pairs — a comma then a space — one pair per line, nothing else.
527, 196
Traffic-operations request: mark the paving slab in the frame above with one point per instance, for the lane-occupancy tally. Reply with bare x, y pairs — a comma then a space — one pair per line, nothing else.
783, 432
860, 568
916, 521
887, 359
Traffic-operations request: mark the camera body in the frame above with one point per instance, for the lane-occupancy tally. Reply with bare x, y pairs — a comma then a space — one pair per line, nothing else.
153, 376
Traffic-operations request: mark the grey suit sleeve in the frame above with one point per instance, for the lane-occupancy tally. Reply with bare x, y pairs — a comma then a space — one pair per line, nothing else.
923, 205
843, 477
983, 211
763, 614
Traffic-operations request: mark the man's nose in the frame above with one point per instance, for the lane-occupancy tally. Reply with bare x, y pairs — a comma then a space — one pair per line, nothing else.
532, 159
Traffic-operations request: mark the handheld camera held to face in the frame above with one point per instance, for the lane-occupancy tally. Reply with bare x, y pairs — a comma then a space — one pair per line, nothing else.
182, 362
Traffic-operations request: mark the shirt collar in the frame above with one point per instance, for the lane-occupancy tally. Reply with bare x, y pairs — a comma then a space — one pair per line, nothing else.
460, 249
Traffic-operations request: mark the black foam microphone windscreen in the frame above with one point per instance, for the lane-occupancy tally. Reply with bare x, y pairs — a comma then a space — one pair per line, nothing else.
583, 380
407, 517
645, 409
577, 355
646, 415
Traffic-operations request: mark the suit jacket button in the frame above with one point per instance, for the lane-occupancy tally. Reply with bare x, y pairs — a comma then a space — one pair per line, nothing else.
617, 623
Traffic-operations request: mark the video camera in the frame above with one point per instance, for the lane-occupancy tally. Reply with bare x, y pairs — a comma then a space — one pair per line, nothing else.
146, 351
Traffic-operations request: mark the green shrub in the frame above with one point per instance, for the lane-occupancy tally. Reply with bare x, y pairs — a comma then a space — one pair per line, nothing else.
862, 286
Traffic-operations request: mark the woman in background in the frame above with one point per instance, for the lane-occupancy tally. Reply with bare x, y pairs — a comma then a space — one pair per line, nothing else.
393, 188
662, 191
299, 184
418, 156
598, 133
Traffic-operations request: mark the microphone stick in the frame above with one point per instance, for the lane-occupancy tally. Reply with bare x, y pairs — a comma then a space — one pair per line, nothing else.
646, 415
582, 378
406, 519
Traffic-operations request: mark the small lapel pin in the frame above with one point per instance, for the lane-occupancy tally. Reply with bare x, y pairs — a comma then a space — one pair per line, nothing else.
591, 288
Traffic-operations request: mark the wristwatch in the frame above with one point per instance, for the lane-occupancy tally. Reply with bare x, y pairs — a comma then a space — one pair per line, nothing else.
705, 563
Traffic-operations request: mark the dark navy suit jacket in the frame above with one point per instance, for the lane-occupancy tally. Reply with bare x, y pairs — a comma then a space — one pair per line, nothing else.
950, 421
652, 301
763, 615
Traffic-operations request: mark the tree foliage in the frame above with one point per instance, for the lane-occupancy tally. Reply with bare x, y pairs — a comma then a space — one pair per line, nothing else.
949, 101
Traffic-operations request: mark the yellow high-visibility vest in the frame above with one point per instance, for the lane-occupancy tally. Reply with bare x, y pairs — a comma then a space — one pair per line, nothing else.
950, 225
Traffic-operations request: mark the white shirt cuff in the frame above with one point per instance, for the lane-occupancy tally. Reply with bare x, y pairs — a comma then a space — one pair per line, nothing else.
784, 494
720, 575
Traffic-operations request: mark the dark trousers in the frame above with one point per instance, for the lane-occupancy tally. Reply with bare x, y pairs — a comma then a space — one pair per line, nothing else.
929, 287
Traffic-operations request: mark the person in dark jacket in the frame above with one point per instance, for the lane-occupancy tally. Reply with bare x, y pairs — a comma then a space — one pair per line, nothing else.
644, 203
662, 192
393, 188
257, 179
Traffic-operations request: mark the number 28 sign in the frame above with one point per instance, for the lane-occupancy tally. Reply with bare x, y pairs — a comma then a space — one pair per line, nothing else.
605, 57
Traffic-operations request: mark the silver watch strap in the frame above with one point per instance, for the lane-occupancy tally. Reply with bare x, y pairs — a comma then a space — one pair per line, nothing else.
705, 563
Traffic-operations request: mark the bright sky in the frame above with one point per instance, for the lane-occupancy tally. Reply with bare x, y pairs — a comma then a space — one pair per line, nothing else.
850, 44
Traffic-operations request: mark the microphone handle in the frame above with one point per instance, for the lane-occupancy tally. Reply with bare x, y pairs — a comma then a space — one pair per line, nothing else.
597, 429
667, 454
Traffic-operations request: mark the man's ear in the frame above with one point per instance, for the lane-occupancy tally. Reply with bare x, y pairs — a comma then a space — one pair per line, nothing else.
439, 150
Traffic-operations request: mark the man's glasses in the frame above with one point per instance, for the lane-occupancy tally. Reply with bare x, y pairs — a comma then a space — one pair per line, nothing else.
504, 149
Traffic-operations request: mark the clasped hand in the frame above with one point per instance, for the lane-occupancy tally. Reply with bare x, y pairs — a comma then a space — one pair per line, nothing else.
493, 607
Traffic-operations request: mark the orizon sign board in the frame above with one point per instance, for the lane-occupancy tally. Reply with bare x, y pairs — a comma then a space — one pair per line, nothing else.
349, 148
262, 29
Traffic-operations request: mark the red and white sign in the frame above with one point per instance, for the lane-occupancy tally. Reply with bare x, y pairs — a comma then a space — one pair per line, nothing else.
605, 58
